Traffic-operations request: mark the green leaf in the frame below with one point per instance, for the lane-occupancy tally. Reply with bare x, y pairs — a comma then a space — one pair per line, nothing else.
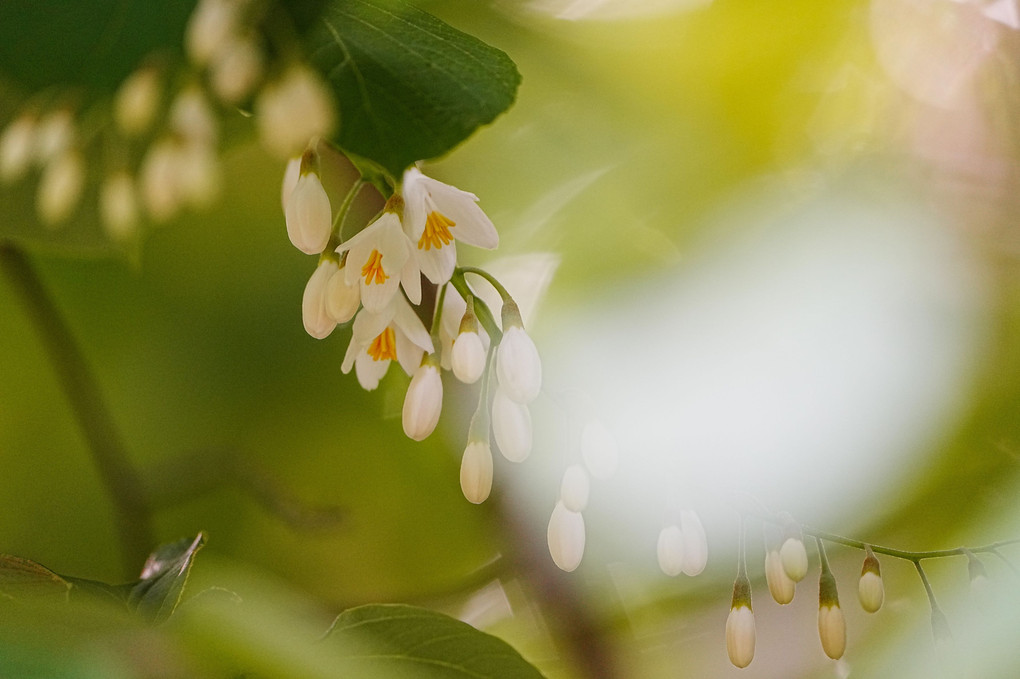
390, 640
22, 579
165, 573
409, 86
91, 43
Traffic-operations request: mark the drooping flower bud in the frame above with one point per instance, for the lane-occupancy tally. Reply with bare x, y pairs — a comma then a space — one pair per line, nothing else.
740, 633
518, 367
290, 177
566, 537
309, 215
342, 300
293, 109
60, 188
209, 26
137, 101
159, 179
424, 400
781, 587
192, 117
318, 323
599, 449
695, 543
118, 205
574, 488
236, 69
16, 147
468, 355
831, 623
870, 590
670, 550
54, 135
476, 472
511, 426
792, 552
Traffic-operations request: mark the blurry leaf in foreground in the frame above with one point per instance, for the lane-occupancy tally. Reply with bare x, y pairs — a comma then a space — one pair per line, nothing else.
22, 578
384, 640
163, 577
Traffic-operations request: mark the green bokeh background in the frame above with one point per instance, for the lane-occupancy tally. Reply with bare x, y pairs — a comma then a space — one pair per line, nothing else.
197, 344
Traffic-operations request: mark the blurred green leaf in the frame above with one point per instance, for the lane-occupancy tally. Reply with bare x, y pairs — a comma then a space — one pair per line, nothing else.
88, 43
410, 87
163, 578
22, 578
393, 640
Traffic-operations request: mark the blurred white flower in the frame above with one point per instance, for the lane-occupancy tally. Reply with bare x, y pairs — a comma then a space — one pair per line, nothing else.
423, 402
476, 472
566, 537
511, 426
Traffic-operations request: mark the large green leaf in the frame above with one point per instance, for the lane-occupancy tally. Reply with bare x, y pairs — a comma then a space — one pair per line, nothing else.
410, 87
392, 640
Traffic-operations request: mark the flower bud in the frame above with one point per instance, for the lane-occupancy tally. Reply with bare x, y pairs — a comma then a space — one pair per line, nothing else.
566, 537
137, 101
518, 366
292, 110
342, 300
511, 426
574, 488
209, 26
236, 70
159, 178
318, 323
198, 174
60, 188
870, 590
16, 146
599, 449
476, 472
794, 558
424, 400
831, 623
468, 354
670, 550
309, 215
192, 117
740, 634
695, 543
118, 205
781, 587
290, 177
54, 135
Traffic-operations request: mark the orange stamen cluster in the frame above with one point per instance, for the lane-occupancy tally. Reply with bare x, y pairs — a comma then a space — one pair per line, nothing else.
373, 272
384, 347
436, 233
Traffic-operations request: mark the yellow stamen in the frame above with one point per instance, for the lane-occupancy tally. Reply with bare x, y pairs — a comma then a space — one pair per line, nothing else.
373, 272
384, 347
436, 233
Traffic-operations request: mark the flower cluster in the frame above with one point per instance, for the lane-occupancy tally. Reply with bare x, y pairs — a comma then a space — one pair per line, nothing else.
398, 267
154, 147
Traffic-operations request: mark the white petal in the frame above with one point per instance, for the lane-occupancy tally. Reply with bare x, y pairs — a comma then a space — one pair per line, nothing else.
408, 353
832, 630
368, 325
476, 472
695, 543
369, 370
472, 226
566, 537
781, 587
511, 426
574, 488
794, 556
290, 178
60, 188
468, 357
740, 636
410, 280
670, 550
437, 263
342, 300
408, 322
309, 216
599, 449
423, 402
318, 323
518, 366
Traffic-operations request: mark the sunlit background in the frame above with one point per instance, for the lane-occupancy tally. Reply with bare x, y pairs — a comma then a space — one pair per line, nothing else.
770, 246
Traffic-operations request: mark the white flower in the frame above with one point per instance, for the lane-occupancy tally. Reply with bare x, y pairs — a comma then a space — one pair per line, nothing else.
118, 205
695, 543
16, 147
566, 537
518, 367
293, 109
317, 320
396, 333
832, 630
137, 101
423, 401
794, 557
781, 587
511, 426
60, 188
309, 214
476, 472
575, 488
670, 550
870, 590
380, 257
434, 215
599, 449
740, 635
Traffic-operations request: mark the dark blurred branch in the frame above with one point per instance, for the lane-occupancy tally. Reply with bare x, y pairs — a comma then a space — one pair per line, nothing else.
133, 515
175, 480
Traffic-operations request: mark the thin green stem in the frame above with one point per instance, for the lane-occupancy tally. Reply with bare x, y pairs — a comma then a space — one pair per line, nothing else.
122, 481
488, 277
482, 311
336, 234
927, 586
437, 317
